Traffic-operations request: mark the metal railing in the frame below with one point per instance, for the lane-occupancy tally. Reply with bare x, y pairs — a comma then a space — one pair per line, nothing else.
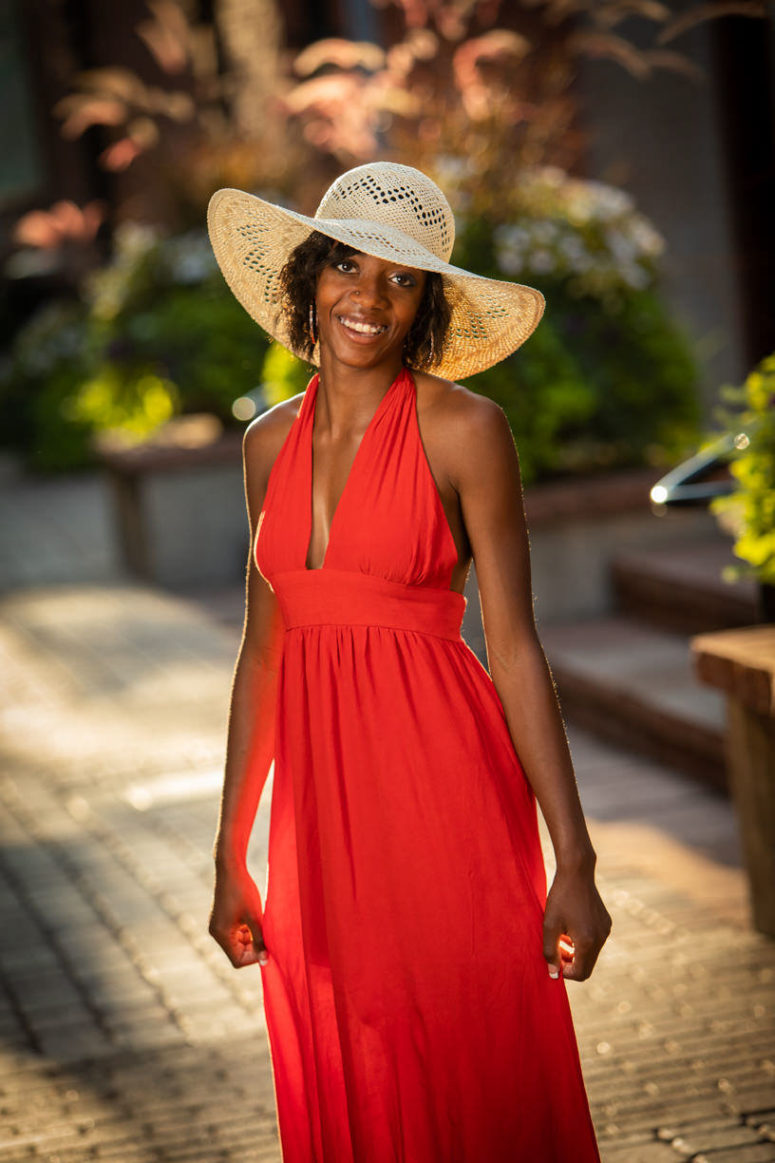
684, 484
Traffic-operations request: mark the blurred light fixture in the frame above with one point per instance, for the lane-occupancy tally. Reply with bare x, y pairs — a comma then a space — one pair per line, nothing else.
700, 478
243, 408
250, 405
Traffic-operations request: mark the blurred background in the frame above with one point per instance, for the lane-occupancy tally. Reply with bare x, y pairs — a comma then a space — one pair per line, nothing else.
617, 154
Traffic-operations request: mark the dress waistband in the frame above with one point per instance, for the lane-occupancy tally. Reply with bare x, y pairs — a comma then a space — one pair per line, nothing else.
320, 597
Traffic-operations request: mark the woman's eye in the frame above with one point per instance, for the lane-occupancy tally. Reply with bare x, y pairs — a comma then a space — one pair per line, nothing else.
349, 266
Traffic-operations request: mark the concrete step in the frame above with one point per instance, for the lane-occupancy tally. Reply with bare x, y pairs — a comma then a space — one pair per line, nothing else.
633, 684
681, 588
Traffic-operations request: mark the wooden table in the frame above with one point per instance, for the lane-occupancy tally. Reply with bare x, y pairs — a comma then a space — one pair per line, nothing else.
742, 663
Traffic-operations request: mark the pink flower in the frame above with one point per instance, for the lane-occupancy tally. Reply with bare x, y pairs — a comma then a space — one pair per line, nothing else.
63, 223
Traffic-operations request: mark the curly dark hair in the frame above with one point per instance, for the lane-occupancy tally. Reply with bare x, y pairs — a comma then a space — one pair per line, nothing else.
424, 345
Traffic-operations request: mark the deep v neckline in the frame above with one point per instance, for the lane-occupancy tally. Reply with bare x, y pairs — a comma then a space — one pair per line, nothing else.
311, 468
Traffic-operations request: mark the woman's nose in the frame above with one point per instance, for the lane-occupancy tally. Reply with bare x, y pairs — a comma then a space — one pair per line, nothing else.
370, 290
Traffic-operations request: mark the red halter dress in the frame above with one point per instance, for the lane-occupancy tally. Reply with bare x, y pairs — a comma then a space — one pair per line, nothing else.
410, 1013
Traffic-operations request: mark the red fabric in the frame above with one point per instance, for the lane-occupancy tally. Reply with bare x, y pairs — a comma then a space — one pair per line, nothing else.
410, 1012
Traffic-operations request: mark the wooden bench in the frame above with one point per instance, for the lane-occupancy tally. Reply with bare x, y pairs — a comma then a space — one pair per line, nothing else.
741, 663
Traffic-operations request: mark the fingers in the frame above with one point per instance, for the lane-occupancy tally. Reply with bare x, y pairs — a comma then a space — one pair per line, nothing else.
571, 957
582, 952
236, 919
567, 951
255, 939
243, 943
576, 926
250, 947
579, 965
553, 931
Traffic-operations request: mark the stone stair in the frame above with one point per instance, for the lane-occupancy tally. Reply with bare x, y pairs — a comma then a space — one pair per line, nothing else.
681, 588
628, 676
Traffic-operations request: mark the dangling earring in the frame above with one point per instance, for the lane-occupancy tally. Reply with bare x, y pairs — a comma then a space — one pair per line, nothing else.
432, 356
312, 324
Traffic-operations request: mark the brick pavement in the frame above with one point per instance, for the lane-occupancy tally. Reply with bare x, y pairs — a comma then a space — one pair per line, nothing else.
126, 1035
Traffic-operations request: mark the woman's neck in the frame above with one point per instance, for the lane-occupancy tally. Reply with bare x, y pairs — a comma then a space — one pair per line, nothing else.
347, 395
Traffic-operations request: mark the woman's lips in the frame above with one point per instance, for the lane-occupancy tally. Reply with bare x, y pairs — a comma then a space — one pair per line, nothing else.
360, 330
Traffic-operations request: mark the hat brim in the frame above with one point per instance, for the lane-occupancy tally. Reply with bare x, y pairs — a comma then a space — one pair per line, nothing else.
252, 239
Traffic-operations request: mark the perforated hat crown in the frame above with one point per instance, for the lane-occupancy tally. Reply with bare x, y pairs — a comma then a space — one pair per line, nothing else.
393, 212
395, 197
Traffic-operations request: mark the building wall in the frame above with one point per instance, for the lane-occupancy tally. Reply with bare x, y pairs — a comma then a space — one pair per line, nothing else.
661, 140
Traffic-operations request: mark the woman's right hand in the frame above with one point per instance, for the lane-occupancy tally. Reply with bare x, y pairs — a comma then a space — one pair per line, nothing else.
236, 918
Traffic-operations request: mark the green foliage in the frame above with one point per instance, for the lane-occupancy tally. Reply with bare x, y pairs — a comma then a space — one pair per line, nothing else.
50, 360
543, 396
157, 333
283, 375
749, 512
110, 400
607, 380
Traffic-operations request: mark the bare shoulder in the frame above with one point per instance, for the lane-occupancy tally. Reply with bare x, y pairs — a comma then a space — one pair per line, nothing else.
264, 437
470, 429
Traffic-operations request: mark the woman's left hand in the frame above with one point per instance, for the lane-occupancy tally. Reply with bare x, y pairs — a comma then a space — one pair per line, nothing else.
574, 909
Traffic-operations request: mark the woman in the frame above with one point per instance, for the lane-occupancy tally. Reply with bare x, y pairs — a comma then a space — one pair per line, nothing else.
413, 965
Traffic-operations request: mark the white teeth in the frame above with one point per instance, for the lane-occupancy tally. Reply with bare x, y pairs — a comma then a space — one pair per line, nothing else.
364, 328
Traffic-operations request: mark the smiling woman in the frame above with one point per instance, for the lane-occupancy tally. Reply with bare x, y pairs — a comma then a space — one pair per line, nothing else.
424, 343
413, 964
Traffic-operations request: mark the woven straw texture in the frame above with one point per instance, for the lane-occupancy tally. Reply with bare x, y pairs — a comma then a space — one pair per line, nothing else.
393, 212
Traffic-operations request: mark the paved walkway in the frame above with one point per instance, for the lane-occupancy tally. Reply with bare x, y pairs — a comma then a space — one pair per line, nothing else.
126, 1034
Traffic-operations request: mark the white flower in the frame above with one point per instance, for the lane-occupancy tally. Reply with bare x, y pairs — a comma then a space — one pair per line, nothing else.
571, 247
636, 277
510, 260
452, 170
576, 228
510, 246
649, 240
542, 261
189, 257
545, 231
511, 235
607, 202
133, 239
552, 176
621, 247
583, 262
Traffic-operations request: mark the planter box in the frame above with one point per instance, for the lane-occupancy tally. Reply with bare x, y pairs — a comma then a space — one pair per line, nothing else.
741, 663
182, 521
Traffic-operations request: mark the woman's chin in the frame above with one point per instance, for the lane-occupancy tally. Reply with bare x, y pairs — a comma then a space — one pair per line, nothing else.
362, 355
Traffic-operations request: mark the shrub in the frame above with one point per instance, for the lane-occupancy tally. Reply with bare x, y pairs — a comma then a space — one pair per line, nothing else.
157, 333
749, 512
283, 375
607, 380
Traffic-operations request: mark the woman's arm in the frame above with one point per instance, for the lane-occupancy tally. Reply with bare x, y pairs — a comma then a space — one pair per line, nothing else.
250, 733
490, 489
236, 916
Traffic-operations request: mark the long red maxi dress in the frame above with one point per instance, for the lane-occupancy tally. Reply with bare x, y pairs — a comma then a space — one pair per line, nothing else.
410, 1013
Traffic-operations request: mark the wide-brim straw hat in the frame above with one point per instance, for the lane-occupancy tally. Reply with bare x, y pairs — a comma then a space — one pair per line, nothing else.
393, 212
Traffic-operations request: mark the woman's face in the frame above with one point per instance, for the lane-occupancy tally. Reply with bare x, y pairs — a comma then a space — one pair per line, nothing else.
365, 308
